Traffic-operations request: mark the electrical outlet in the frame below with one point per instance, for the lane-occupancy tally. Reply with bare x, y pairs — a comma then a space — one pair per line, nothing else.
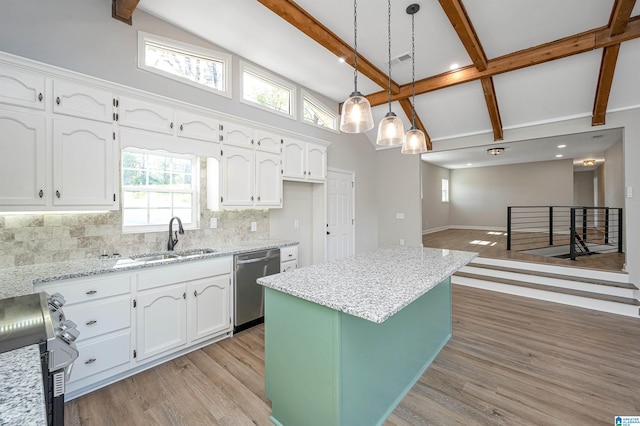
296, 223
629, 192
214, 223
399, 215
401, 241
254, 226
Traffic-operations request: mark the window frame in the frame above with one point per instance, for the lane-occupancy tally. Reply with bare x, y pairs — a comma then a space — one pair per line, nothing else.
307, 97
445, 190
273, 78
195, 192
188, 49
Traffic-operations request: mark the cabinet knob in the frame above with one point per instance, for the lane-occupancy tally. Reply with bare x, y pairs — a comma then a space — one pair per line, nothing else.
57, 193
41, 193
40, 97
90, 323
195, 293
58, 100
184, 295
258, 142
181, 128
90, 361
171, 125
91, 292
258, 198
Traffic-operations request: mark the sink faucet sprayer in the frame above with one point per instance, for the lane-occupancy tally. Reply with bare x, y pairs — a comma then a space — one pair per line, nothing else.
173, 241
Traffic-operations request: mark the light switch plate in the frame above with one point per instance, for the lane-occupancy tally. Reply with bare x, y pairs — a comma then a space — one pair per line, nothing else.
399, 215
254, 226
214, 223
629, 192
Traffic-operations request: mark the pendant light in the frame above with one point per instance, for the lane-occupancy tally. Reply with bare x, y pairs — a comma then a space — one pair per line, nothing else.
415, 141
356, 111
391, 129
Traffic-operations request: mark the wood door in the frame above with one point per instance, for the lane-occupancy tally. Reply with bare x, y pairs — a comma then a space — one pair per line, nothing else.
209, 307
340, 215
84, 163
82, 101
23, 159
161, 320
268, 180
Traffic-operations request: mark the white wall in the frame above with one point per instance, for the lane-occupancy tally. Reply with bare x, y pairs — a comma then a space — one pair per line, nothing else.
435, 213
398, 192
583, 188
81, 36
480, 195
614, 176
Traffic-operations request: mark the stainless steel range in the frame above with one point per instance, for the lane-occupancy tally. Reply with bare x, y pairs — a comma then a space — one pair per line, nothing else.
38, 319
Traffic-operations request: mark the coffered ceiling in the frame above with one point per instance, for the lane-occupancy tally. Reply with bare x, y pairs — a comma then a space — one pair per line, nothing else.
518, 62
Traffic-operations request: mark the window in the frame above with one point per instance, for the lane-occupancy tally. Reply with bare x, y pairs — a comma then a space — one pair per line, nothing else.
156, 186
317, 114
445, 190
197, 66
267, 91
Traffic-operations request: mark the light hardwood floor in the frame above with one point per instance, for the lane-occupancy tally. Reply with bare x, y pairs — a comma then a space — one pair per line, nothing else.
511, 361
495, 246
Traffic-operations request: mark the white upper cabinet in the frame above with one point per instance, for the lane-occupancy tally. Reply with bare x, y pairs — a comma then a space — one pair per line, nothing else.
22, 88
237, 177
236, 134
23, 159
82, 101
304, 161
133, 112
268, 186
84, 163
268, 142
197, 126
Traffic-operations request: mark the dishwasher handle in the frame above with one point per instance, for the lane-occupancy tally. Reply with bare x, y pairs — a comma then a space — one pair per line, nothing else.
259, 259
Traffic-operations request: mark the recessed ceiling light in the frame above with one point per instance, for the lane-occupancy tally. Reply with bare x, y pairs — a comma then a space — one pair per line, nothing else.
562, 146
589, 163
559, 156
454, 66
341, 60
495, 151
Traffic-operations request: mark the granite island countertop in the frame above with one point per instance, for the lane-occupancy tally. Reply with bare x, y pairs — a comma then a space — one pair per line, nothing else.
374, 285
21, 392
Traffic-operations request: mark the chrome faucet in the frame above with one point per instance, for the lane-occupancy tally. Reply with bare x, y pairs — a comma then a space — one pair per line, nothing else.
173, 241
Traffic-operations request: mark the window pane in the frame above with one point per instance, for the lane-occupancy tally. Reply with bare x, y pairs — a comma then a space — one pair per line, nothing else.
315, 114
182, 201
159, 216
134, 217
181, 165
135, 199
160, 199
133, 178
132, 160
184, 215
266, 93
159, 179
157, 162
196, 68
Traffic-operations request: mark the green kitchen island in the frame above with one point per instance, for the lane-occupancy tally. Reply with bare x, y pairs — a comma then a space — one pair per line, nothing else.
346, 340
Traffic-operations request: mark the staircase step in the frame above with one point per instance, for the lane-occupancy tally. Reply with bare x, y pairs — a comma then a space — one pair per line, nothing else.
608, 283
572, 292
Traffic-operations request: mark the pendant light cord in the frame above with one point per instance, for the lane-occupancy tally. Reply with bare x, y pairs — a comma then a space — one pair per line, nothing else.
355, 45
389, 32
413, 71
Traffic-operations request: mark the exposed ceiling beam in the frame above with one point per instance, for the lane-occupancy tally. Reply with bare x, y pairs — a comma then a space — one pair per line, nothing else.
492, 106
303, 21
466, 33
408, 110
460, 20
122, 10
617, 25
573, 45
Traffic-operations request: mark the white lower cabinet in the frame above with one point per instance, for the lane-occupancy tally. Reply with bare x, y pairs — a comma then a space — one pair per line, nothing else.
209, 302
101, 354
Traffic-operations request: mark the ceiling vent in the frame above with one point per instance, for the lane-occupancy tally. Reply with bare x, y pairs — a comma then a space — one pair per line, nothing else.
400, 58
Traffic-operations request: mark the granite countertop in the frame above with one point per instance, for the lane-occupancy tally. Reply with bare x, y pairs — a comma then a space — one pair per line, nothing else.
21, 392
373, 285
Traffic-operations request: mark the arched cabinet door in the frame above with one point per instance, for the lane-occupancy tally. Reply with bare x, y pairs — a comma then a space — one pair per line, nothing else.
268, 180
209, 307
237, 177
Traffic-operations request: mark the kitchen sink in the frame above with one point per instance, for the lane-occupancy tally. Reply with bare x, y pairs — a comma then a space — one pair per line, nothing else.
196, 252
155, 257
147, 258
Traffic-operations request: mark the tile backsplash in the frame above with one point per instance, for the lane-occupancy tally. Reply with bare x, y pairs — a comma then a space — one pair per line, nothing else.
27, 239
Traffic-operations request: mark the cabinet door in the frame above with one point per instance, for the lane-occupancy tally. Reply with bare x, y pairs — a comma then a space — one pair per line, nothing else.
209, 307
236, 134
22, 88
293, 159
23, 159
197, 126
81, 101
316, 162
237, 177
268, 142
145, 115
84, 162
268, 180
161, 320
288, 266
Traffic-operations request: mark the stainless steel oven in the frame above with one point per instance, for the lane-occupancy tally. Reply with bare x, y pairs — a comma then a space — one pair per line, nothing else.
39, 319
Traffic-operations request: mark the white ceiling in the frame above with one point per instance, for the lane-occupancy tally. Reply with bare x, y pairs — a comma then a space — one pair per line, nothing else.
551, 91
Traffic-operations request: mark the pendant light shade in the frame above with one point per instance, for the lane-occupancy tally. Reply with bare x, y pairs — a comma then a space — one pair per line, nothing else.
356, 114
391, 128
415, 141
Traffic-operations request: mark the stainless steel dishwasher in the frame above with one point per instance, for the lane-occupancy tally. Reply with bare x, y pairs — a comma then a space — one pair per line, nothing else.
249, 295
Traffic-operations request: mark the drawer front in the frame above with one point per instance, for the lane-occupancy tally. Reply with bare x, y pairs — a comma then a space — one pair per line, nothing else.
289, 265
182, 272
100, 355
86, 289
288, 253
94, 319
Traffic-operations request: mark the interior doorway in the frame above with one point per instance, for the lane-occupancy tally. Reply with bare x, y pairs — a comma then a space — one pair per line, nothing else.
340, 214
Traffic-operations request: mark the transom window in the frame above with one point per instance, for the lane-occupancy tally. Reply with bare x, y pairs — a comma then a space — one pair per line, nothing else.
267, 91
317, 114
194, 65
156, 186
